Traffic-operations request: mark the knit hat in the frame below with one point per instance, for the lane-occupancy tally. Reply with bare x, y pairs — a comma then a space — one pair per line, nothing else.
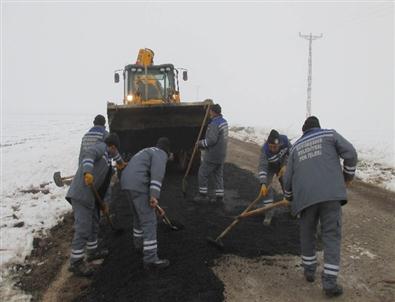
311, 122
274, 137
216, 108
164, 144
113, 139
99, 120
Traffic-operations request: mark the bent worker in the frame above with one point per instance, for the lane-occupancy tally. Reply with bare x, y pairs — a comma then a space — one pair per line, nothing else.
142, 180
316, 182
272, 161
94, 172
214, 146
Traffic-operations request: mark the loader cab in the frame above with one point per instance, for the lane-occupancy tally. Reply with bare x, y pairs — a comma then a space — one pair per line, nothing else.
155, 84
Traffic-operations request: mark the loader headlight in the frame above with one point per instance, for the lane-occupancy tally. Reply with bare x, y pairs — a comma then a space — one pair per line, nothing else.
167, 68
134, 69
129, 97
162, 69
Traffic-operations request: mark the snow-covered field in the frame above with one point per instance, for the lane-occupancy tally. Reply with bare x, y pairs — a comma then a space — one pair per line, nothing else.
34, 147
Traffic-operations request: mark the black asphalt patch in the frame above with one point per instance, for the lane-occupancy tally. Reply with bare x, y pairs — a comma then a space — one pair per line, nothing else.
189, 278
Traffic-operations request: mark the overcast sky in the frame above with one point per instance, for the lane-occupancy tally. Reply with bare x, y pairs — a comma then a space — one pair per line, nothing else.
60, 58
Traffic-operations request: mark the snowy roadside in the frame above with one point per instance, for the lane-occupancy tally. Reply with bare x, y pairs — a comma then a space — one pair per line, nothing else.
32, 149
374, 164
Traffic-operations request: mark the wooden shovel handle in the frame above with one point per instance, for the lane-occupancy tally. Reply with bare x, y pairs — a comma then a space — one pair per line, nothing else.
100, 202
282, 203
197, 141
236, 221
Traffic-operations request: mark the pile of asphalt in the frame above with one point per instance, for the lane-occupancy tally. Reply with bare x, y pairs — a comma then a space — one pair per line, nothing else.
189, 278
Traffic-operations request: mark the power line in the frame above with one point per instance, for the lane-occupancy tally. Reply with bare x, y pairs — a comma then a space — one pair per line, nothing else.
310, 38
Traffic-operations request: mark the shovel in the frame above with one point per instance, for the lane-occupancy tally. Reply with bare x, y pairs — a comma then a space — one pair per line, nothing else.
61, 181
101, 205
171, 224
217, 242
184, 180
282, 203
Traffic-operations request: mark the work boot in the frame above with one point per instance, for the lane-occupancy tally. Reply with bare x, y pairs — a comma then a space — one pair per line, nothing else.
81, 269
158, 264
96, 254
309, 276
334, 291
201, 198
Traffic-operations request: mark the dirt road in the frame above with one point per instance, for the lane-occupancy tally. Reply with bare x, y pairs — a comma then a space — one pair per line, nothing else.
259, 263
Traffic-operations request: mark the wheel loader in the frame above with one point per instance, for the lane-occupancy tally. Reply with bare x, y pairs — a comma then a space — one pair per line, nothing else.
152, 108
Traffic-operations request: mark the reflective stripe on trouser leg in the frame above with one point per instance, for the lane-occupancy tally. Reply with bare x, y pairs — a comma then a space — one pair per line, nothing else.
148, 224
137, 238
205, 170
82, 229
308, 225
76, 255
91, 245
137, 231
330, 217
309, 263
203, 190
219, 179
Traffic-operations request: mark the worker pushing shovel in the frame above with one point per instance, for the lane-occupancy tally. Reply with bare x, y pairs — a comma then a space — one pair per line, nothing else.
215, 147
272, 161
142, 182
184, 180
94, 172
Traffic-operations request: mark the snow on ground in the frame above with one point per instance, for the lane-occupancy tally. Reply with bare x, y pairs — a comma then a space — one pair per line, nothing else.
376, 161
32, 149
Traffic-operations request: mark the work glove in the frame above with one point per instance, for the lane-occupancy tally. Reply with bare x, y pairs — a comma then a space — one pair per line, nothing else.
88, 178
153, 202
264, 190
121, 166
281, 173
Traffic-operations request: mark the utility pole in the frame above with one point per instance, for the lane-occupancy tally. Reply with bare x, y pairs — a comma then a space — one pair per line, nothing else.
310, 38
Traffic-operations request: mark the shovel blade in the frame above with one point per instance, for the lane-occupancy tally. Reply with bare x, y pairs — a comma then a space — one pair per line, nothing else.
58, 179
216, 242
173, 225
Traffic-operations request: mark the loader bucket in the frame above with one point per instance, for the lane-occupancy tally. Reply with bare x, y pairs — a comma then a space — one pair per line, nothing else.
140, 126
